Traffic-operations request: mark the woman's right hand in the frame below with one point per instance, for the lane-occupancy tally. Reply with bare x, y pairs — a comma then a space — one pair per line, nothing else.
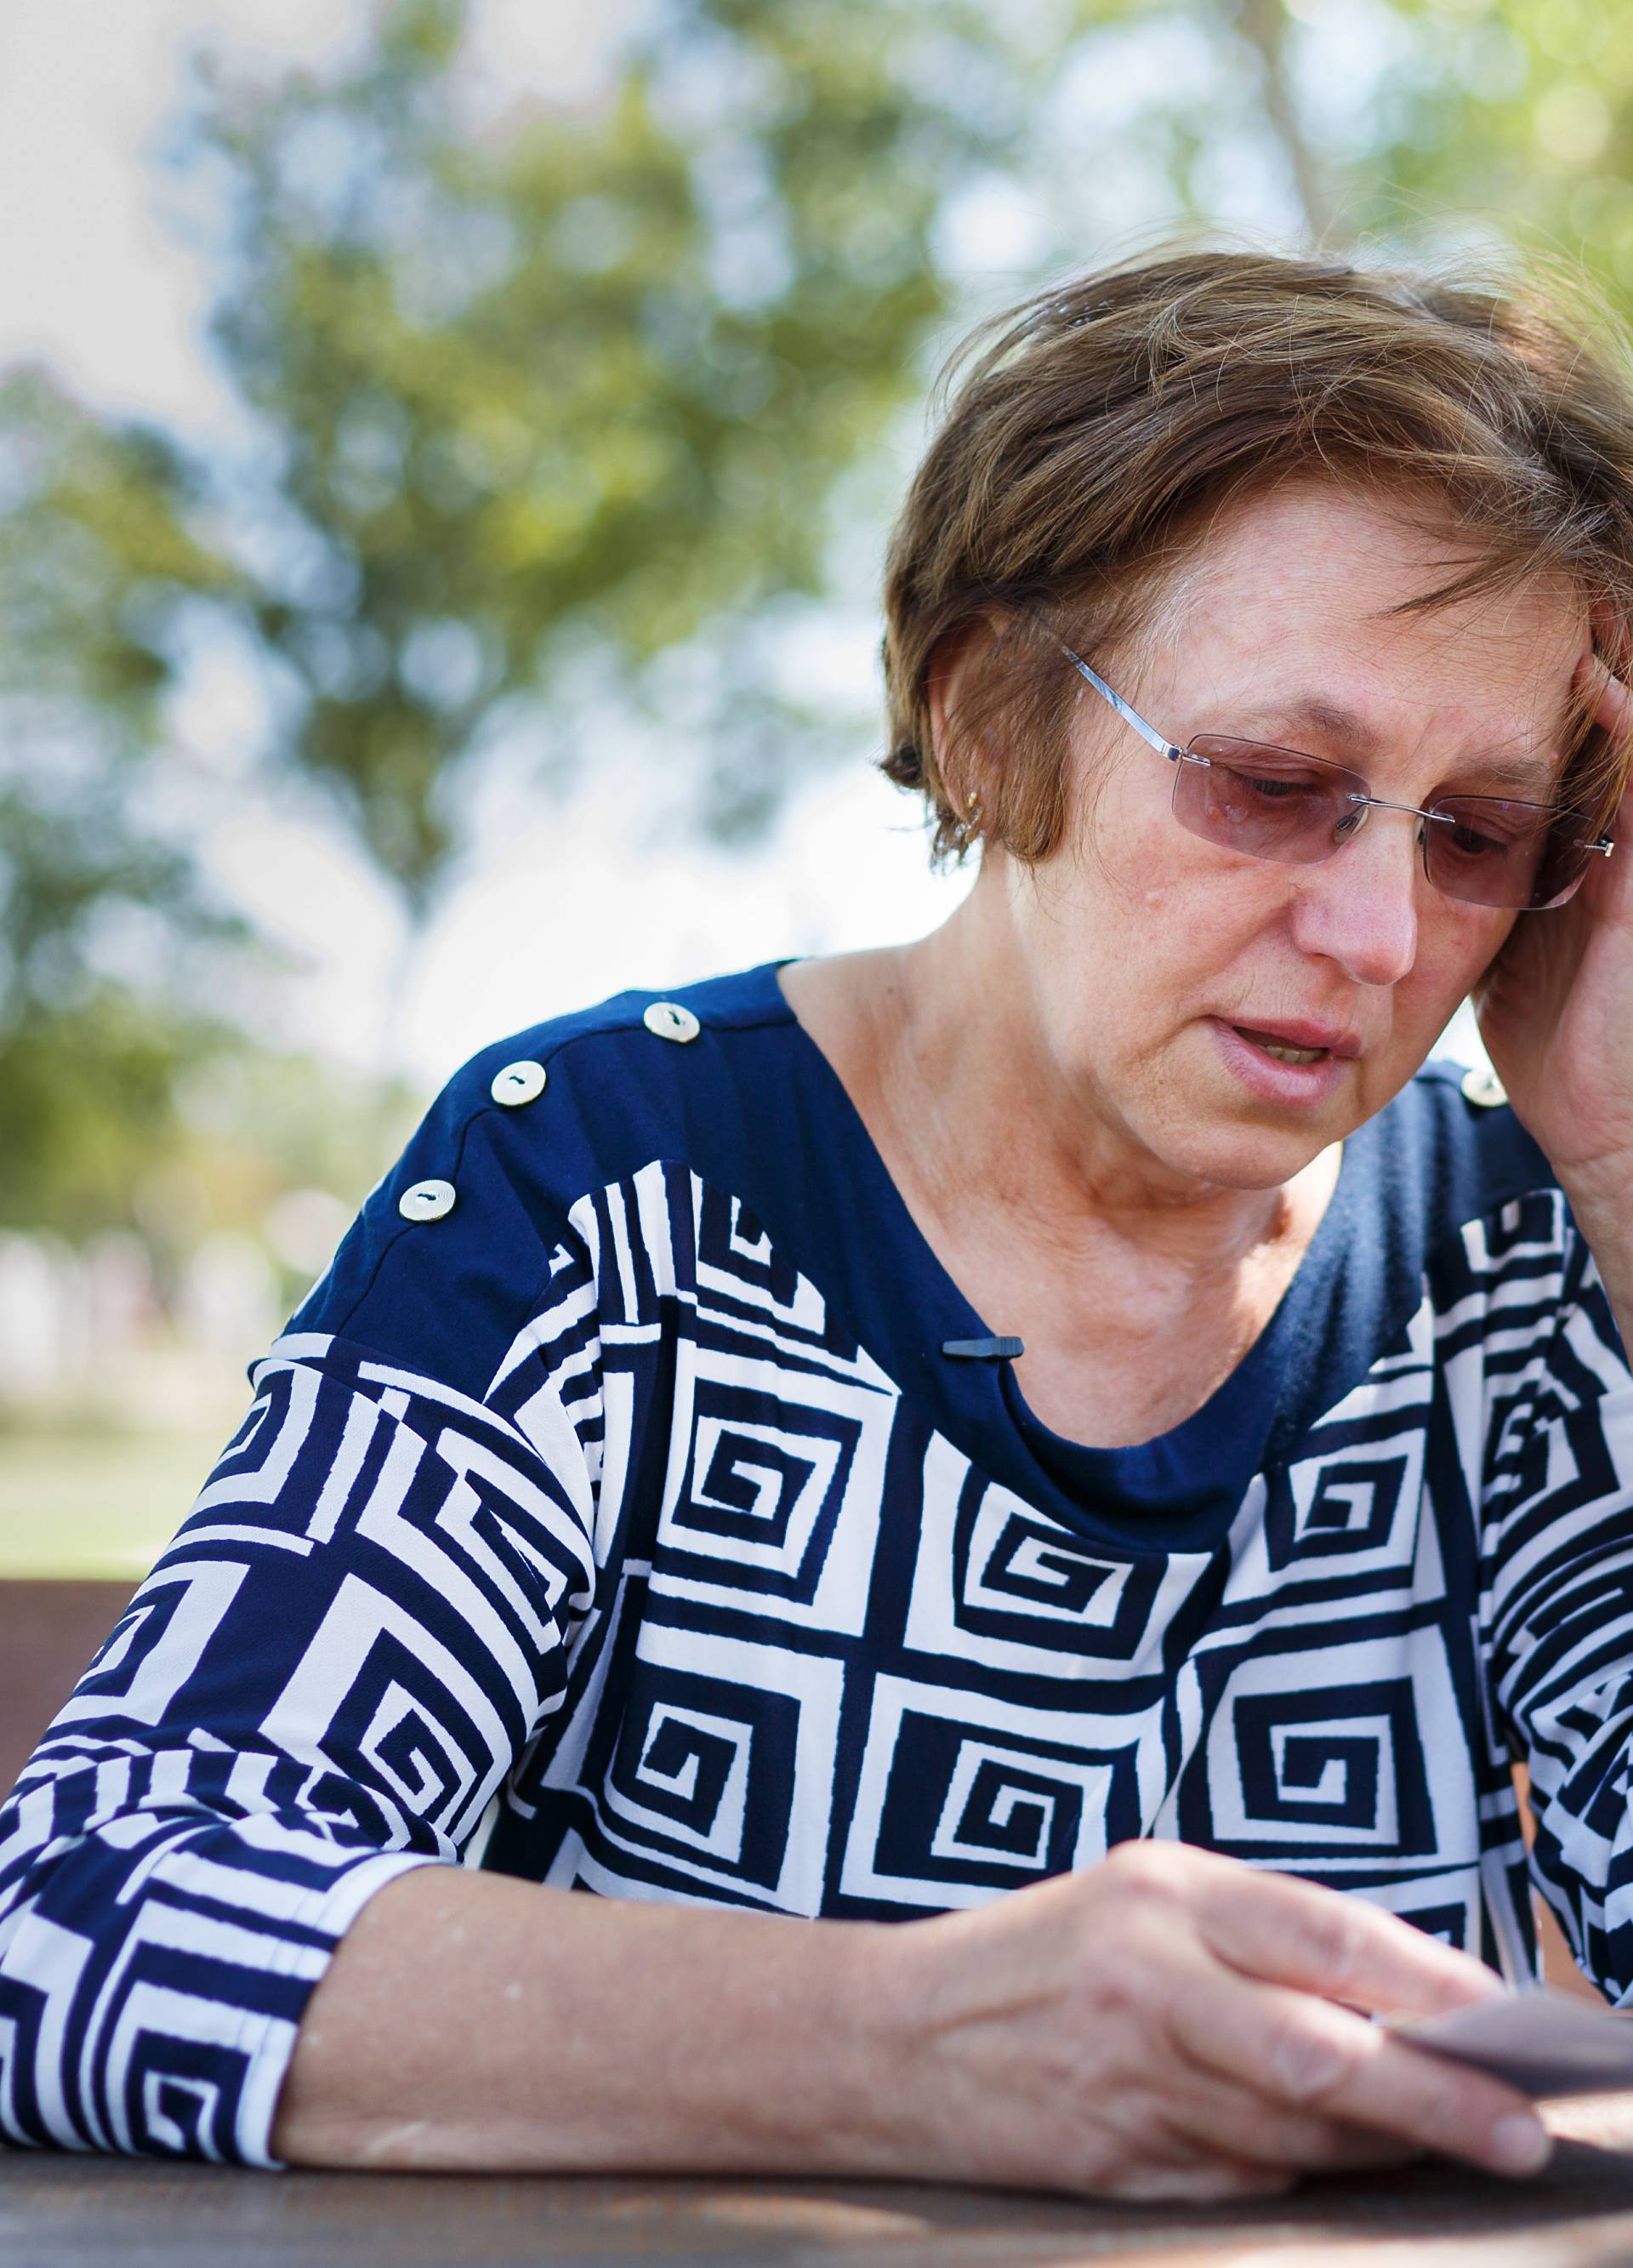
1174, 2024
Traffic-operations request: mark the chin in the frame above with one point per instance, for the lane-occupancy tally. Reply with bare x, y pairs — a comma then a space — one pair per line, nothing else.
1241, 1158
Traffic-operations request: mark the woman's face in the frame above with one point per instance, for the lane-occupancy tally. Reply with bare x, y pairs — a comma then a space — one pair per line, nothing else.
1151, 954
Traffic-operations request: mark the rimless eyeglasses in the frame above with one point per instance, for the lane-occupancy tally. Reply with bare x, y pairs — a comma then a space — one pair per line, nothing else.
1269, 802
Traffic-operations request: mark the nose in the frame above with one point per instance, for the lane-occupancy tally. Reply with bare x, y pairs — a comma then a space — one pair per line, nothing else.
1359, 907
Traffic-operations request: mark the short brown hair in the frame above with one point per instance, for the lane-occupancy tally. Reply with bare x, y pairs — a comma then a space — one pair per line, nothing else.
1101, 425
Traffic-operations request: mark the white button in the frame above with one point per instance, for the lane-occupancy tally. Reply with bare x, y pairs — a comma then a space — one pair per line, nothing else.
671, 1021
517, 1082
1484, 1087
426, 1201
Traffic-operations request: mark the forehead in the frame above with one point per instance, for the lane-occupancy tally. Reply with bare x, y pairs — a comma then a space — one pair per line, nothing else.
1313, 577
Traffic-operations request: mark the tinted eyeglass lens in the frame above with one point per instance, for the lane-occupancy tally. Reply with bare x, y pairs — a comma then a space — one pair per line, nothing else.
1498, 853
1276, 803
1269, 802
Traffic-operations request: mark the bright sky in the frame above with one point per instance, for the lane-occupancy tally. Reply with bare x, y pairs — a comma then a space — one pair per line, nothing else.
553, 911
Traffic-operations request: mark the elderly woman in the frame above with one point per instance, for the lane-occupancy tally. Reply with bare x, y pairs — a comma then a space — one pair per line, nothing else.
1006, 1504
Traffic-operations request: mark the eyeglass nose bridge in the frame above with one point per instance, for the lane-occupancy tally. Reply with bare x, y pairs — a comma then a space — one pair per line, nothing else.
1381, 803
1347, 829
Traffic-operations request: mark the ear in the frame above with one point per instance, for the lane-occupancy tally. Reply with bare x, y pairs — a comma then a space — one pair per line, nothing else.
958, 660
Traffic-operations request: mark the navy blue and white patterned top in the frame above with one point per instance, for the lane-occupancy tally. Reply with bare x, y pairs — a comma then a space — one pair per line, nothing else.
609, 1515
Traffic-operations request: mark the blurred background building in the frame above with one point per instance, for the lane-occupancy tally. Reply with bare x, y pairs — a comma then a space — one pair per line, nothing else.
445, 452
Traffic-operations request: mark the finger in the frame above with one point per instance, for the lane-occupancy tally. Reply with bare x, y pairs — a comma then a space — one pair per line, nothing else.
1300, 2051
1142, 2151
1360, 2149
1203, 2181
1240, 2124
1287, 1932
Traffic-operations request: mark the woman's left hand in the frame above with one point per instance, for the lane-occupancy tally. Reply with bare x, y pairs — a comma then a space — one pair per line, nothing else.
1556, 1010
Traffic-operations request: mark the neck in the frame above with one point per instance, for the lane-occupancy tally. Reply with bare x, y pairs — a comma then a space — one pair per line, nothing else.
943, 1047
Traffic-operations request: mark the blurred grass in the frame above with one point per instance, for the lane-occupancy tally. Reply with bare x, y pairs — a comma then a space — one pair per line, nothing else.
88, 1502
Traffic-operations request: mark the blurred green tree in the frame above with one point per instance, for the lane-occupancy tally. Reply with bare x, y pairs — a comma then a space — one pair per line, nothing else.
580, 383
104, 912
1512, 118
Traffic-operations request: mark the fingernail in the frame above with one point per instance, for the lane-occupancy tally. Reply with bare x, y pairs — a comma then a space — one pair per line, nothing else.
1519, 2144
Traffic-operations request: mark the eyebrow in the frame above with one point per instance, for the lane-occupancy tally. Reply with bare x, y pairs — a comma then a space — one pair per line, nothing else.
1527, 776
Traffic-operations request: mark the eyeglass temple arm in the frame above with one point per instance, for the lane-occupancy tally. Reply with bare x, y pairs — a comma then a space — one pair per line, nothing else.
1147, 732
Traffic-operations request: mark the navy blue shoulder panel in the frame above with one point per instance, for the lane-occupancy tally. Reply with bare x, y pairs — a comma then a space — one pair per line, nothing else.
445, 1295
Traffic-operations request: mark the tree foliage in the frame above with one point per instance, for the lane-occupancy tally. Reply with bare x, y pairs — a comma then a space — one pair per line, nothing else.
586, 380
103, 907
1515, 117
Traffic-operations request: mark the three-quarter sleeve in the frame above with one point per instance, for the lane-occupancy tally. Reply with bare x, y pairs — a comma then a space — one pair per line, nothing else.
1558, 1611
360, 1626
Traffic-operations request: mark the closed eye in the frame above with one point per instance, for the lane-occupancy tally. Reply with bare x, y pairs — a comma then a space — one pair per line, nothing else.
1468, 842
1278, 790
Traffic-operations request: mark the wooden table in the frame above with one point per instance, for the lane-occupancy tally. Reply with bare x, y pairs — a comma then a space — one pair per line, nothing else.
93, 2213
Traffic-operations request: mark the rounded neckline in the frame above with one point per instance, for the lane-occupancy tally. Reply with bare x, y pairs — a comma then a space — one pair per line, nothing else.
1068, 1463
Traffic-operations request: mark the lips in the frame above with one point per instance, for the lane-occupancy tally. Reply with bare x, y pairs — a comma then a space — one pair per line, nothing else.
1323, 1039
1280, 1049
1275, 1070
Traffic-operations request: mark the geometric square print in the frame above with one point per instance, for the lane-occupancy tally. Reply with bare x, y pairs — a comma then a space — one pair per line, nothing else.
962, 1797
997, 1583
